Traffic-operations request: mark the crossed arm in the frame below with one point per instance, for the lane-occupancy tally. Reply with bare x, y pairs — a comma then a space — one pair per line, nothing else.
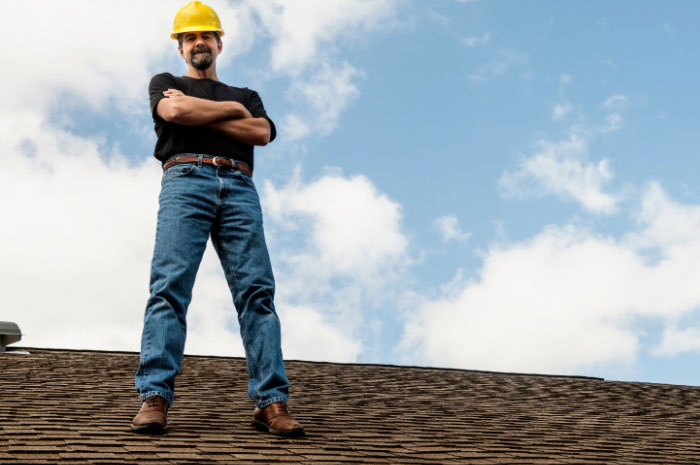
227, 117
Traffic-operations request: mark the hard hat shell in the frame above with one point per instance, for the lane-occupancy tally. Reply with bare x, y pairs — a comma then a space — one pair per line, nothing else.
196, 16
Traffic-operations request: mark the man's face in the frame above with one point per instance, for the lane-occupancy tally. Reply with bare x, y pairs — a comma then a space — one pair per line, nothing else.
200, 49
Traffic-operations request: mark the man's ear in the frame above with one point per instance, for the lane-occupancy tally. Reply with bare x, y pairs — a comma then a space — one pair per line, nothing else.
182, 52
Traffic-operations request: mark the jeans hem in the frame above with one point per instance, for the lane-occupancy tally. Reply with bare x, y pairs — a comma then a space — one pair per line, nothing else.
264, 403
168, 397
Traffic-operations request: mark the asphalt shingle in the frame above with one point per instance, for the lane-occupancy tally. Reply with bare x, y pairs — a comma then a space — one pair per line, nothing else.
63, 406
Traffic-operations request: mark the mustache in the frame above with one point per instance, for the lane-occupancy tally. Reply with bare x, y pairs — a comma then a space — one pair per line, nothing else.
201, 49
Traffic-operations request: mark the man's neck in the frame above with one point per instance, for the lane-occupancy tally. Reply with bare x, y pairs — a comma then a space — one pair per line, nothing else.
209, 73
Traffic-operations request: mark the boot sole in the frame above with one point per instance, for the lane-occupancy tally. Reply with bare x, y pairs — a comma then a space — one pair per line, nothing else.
149, 428
260, 426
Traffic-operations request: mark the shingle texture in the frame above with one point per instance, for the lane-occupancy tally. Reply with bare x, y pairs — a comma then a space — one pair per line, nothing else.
59, 407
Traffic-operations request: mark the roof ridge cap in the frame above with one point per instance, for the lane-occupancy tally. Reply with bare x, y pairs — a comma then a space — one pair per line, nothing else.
385, 365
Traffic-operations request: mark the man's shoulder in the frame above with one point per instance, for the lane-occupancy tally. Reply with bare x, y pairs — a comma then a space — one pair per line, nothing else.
165, 75
243, 90
164, 79
242, 94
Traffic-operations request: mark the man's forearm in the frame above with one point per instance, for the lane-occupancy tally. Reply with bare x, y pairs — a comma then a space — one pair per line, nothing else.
193, 111
253, 131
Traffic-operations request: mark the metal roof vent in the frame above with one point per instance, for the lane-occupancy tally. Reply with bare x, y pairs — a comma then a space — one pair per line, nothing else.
9, 333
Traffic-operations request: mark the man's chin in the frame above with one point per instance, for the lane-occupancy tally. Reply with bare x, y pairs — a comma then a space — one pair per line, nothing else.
202, 65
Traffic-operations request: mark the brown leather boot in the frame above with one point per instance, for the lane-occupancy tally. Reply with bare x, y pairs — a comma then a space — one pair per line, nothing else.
275, 418
152, 417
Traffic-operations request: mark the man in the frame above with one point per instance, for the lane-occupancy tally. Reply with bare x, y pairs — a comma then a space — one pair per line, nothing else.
206, 133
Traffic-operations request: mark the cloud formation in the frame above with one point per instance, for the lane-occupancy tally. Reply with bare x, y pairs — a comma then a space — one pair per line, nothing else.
496, 68
76, 241
304, 33
563, 167
676, 340
560, 110
351, 258
328, 93
569, 300
100, 56
616, 102
473, 41
304, 47
448, 228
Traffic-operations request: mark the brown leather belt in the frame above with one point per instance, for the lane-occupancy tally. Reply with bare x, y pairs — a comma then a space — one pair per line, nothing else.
215, 161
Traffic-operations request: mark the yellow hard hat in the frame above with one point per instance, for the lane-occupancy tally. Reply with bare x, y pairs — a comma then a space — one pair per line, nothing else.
196, 16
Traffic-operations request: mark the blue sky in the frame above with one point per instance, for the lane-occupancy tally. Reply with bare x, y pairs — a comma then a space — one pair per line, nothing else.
476, 184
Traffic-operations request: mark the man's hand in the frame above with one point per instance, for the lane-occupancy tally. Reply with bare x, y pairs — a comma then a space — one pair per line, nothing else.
253, 131
173, 93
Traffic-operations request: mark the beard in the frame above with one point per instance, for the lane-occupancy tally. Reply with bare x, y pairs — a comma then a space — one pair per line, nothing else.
201, 58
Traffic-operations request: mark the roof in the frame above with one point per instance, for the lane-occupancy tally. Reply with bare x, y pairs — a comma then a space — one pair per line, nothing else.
63, 406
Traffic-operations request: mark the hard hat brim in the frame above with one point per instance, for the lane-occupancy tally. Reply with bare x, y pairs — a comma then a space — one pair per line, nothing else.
183, 30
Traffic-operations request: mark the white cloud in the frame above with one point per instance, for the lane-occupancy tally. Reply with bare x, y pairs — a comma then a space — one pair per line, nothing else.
302, 31
308, 332
76, 240
563, 168
668, 224
309, 335
304, 47
354, 229
560, 110
499, 67
91, 62
212, 321
675, 341
295, 128
448, 228
473, 41
531, 310
613, 122
566, 300
95, 57
616, 102
565, 78
342, 252
438, 17
328, 92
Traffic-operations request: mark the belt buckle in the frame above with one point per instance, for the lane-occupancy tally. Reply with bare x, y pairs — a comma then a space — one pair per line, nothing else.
215, 163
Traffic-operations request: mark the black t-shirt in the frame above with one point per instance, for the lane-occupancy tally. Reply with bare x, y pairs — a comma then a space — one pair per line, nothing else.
175, 138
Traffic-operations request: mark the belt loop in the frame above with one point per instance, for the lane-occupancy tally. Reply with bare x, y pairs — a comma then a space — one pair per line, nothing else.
199, 164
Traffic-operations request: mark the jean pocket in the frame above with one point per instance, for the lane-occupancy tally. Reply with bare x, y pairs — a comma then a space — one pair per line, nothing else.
177, 171
245, 178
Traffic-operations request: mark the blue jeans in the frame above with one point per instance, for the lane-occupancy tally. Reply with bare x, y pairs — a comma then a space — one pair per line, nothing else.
197, 201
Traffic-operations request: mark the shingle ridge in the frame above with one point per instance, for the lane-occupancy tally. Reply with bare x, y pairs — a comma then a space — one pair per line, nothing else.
460, 370
364, 364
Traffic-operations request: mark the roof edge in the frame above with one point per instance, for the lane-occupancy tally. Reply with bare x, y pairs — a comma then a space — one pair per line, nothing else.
387, 365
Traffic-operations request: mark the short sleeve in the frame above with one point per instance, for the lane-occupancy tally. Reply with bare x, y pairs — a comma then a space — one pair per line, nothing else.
159, 84
256, 108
